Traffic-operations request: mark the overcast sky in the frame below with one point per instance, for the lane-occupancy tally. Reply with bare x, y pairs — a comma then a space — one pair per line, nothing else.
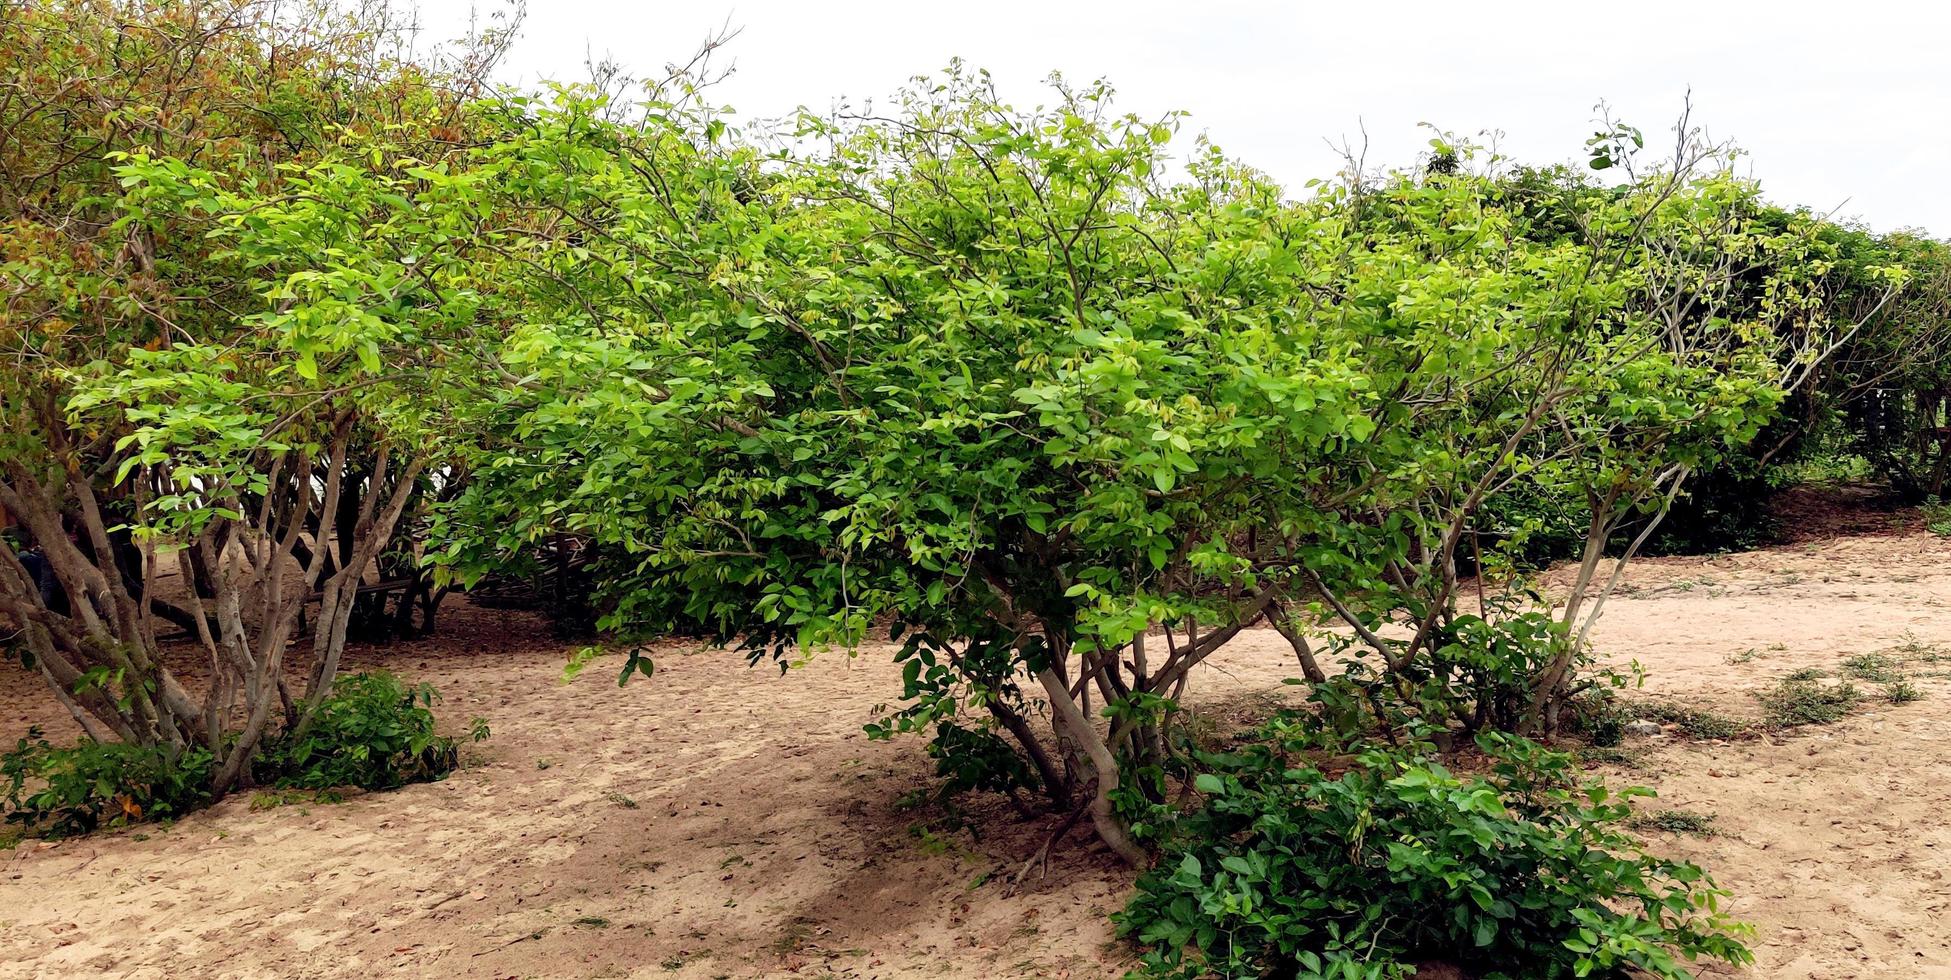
1840, 105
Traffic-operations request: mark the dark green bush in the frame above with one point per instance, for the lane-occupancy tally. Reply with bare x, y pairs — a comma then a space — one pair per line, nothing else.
77, 789
374, 731
1725, 508
972, 759
1519, 873
1533, 524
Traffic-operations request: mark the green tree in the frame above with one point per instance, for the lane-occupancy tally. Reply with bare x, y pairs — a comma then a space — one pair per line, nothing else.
212, 339
1069, 423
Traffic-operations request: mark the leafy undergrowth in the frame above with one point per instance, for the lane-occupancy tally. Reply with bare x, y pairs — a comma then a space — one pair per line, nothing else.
1937, 517
1293, 871
1676, 822
373, 732
1795, 701
61, 791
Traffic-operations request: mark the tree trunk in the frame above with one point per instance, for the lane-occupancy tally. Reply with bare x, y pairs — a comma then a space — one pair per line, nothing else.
1056, 783
1072, 725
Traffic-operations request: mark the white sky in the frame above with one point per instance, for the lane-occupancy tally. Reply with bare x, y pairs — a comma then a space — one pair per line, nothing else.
1838, 104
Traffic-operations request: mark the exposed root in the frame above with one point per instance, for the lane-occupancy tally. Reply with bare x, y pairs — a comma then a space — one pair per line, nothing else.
1041, 859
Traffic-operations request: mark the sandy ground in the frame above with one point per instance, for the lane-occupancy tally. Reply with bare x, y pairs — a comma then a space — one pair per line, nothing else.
719, 821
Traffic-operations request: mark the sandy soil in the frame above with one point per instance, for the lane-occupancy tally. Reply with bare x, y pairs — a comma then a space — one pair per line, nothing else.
719, 821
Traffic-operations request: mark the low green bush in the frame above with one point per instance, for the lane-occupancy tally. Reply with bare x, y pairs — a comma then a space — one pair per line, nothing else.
374, 731
1937, 518
1795, 701
1871, 667
973, 759
1290, 871
68, 790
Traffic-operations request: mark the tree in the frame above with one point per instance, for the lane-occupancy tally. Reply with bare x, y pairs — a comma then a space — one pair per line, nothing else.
1891, 384
192, 380
1066, 424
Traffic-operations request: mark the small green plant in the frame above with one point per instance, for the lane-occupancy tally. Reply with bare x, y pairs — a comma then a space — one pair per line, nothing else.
77, 789
621, 800
1289, 871
1805, 674
929, 840
1676, 822
1793, 702
1937, 518
1746, 656
1902, 691
1871, 667
1695, 723
374, 731
273, 799
1911, 649
1596, 716
1824, 467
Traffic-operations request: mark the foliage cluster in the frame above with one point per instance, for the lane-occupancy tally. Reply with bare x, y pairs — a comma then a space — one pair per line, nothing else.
374, 732
76, 789
1290, 870
1069, 425
1796, 701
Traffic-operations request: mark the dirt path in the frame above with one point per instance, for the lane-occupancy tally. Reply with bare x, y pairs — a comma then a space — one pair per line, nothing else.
725, 822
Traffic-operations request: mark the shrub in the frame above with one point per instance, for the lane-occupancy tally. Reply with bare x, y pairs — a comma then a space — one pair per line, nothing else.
1725, 508
1518, 872
1937, 517
1797, 701
374, 731
1596, 716
77, 789
109, 402
974, 759
1534, 524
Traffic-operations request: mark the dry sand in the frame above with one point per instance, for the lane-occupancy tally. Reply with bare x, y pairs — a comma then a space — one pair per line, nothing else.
720, 821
